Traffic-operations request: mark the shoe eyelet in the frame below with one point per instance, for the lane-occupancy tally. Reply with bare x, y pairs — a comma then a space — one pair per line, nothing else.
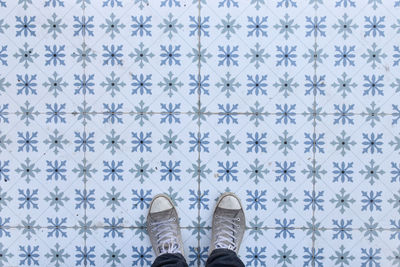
238, 219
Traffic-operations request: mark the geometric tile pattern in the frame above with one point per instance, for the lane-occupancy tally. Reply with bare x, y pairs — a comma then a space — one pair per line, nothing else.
293, 105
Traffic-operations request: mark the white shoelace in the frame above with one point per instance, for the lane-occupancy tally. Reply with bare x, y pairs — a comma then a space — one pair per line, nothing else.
167, 238
226, 232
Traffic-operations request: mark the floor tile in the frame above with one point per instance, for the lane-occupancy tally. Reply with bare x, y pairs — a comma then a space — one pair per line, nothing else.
359, 69
42, 247
357, 173
143, 55
276, 247
131, 160
40, 171
119, 246
131, 246
292, 105
271, 177
252, 60
344, 247
40, 62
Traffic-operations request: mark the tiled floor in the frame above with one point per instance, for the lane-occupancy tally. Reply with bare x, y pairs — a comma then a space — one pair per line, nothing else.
291, 104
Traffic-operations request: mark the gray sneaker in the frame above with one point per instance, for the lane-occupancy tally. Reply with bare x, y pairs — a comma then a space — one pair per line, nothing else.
228, 224
163, 226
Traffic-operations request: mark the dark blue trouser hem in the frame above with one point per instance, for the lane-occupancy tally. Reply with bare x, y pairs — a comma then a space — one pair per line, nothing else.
218, 258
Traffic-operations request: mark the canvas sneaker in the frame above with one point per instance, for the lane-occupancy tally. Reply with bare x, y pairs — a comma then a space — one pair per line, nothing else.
228, 224
163, 226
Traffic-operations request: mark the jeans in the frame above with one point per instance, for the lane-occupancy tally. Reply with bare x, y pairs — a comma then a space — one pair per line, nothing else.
218, 258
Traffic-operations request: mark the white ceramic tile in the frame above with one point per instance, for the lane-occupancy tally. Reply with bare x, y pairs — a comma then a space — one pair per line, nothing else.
85, 100
269, 176
40, 172
140, 170
39, 61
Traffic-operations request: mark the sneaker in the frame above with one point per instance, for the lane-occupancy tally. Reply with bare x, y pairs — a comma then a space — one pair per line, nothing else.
228, 224
163, 226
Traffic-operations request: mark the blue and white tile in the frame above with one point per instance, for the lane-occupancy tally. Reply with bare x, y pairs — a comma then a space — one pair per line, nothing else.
40, 55
360, 71
251, 58
276, 247
358, 166
143, 55
40, 172
84, 100
120, 246
44, 246
130, 162
268, 166
356, 118
368, 247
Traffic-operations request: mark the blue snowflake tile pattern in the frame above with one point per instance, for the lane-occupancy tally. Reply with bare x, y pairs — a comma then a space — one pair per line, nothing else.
262, 165
42, 246
264, 246
144, 55
41, 172
39, 56
292, 105
256, 56
114, 245
360, 69
196, 249
131, 160
371, 246
358, 167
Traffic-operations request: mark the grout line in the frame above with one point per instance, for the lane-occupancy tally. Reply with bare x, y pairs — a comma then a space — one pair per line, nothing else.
208, 113
314, 181
302, 228
84, 151
199, 132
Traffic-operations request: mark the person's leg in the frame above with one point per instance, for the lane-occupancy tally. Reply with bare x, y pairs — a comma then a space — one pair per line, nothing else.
164, 232
227, 232
222, 257
170, 260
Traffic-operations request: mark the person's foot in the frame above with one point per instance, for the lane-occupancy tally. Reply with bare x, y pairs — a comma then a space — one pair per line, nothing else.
228, 223
163, 226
